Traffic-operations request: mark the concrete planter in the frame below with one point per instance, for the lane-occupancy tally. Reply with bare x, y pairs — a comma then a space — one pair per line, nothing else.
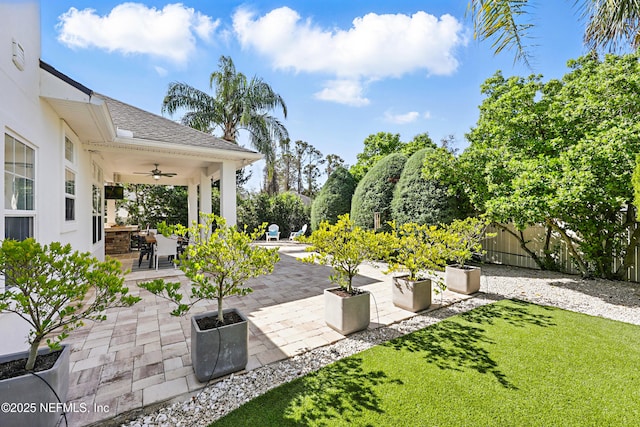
463, 280
346, 314
30, 401
219, 351
410, 295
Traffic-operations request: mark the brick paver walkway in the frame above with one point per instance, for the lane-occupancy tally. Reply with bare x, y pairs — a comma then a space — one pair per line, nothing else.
140, 356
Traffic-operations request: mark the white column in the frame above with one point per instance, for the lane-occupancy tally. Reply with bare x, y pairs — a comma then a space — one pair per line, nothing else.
111, 212
205, 192
228, 192
192, 203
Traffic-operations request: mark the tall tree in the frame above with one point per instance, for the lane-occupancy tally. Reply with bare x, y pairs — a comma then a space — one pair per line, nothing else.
332, 161
559, 153
609, 24
238, 103
285, 166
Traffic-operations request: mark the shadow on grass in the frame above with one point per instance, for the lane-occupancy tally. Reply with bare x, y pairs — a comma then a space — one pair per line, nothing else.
338, 392
459, 346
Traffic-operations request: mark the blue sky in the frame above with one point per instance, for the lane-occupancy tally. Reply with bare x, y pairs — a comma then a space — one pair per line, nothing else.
346, 69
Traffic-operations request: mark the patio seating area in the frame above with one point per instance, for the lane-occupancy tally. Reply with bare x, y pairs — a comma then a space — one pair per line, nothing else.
140, 356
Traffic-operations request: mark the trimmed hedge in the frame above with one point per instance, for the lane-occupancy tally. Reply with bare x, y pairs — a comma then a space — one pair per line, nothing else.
334, 199
287, 210
374, 192
419, 200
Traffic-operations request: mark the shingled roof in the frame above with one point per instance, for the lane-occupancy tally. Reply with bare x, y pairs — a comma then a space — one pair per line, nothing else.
149, 126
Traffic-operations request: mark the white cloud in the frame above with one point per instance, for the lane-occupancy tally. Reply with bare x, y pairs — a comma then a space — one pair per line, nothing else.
401, 119
427, 115
347, 92
161, 71
374, 47
133, 28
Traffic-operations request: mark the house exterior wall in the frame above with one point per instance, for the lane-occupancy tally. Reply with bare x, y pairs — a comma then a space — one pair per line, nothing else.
32, 121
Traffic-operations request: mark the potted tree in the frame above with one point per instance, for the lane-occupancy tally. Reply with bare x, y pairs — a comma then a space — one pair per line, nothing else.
54, 290
465, 236
344, 246
218, 261
418, 250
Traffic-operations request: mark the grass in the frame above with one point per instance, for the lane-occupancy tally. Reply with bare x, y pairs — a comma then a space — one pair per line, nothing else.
508, 363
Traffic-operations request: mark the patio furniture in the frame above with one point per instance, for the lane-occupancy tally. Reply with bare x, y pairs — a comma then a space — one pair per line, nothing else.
273, 232
298, 233
165, 246
145, 248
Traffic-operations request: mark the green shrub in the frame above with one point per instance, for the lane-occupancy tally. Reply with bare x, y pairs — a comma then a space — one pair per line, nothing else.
343, 246
419, 200
334, 199
287, 210
374, 192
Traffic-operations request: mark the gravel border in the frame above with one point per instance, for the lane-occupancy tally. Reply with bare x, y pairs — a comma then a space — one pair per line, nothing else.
610, 299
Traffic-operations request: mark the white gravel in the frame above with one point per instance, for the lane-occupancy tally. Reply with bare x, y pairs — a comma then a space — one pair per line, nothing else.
613, 300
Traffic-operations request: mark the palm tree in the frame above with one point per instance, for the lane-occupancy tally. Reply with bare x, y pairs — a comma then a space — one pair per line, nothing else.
237, 104
610, 24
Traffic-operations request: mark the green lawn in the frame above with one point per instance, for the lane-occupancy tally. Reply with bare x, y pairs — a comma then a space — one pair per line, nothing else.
510, 363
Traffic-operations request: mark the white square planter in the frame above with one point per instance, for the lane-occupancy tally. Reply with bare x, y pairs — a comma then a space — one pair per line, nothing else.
410, 295
219, 351
463, 280
346, 314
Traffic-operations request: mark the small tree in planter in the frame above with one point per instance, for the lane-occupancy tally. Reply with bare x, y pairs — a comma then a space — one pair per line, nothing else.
465, 237
343, 247
416, 249
54, 290
219, 260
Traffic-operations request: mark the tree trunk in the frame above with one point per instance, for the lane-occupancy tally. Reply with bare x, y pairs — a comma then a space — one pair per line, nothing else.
523, 245
220, 313
572, 250
33, 353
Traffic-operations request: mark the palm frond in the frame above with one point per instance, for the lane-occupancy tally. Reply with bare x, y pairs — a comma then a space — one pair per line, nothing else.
612, 24
500, 20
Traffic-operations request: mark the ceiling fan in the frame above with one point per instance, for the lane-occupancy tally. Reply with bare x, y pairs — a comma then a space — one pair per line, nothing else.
157, 173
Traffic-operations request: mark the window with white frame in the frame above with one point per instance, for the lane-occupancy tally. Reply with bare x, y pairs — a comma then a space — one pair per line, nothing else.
69, 180
19, 189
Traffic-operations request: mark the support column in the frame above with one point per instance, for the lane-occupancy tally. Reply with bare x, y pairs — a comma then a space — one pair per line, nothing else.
192, 203
228, 192
205, 192
111, 212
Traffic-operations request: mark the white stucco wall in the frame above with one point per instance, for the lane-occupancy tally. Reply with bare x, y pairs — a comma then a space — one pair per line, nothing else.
31, 120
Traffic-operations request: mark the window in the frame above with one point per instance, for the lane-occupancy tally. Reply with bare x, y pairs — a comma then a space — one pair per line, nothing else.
19, 187
69, 180
69, 195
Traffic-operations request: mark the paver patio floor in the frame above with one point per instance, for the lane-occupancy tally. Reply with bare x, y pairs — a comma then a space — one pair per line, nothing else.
140, 356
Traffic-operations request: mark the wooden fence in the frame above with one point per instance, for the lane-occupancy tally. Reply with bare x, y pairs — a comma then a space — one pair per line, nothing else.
504, 248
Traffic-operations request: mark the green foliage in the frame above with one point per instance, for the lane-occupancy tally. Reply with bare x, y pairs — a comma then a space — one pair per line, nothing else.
287, 210
53, 287
334, 199
218, 261
150, 204
415, 248
464, 238
635, 179
375, 191
562, 154
420, 200
376, 146
380, 145
343, 246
